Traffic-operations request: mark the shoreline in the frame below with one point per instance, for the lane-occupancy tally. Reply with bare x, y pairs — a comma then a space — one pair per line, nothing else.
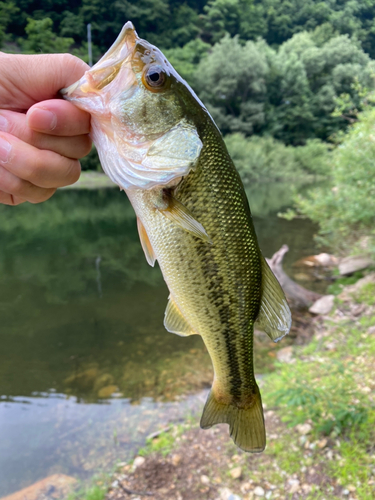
92, 180
314, 450
311, 443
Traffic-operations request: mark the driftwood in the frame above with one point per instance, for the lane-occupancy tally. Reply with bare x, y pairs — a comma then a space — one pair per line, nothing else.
298, 297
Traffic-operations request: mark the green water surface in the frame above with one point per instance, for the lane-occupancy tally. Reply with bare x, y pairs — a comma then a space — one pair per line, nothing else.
83, 352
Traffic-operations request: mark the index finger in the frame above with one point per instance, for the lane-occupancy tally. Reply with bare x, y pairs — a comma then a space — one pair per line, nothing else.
58, 117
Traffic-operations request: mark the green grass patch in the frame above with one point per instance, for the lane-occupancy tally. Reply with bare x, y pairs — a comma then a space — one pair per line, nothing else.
164, 443
366, 295
337, 287
322, 385
95, 492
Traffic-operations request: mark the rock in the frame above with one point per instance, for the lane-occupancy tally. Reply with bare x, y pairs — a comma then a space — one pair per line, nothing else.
320, 260
236, 472
176, 459
106, 392
285, 355
245, 487
59, 484
351, 290
225, 493
323, 305
322, 443
205, 479
294, 485
234, 497
371, 330
259, 491
304, 429
138, 461
354, 263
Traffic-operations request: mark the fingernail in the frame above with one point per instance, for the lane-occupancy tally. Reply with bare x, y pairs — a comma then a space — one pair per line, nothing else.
46, 120
5, 149
3, 123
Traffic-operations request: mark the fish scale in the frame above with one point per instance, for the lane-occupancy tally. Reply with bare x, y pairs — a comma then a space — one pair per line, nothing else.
213, 192
158, 142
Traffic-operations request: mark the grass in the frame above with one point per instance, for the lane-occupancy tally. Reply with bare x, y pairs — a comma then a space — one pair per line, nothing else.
330, 385
337, 287
164, 443
89, 493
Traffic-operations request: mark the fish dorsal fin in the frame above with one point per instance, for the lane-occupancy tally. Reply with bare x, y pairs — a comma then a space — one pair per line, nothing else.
174, 322
146, 244
274, 315
180, 215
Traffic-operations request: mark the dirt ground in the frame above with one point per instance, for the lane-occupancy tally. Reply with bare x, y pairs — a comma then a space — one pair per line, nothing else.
205, 465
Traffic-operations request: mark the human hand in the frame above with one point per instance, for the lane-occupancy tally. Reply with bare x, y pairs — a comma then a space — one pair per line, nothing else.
41, 137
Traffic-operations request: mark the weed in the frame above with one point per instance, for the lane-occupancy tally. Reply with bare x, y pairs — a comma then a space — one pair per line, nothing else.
367, 294
337, 287
162, 444
90, 493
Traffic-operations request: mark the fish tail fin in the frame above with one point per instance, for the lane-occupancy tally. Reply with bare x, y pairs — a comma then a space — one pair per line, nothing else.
246, 425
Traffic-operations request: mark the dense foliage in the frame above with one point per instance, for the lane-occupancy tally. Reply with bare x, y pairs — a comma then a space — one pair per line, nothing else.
345, 207
285, 71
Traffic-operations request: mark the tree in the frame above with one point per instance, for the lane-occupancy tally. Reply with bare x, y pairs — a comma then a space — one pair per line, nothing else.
7, 11
345, 207
231, 82
40, 38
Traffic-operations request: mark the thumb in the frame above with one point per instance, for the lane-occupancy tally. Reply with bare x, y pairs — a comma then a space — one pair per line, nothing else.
34, 78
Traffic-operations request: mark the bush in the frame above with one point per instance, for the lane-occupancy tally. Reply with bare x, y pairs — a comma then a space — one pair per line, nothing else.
345, 209
265, 159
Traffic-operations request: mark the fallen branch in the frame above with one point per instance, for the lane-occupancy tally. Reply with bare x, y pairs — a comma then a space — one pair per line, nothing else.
298, 297
131, 492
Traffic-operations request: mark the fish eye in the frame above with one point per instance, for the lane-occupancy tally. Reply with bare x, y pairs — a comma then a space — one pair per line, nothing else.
154, 78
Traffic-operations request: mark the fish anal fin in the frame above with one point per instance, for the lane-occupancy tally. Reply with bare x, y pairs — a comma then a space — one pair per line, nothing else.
274, 314
146, 244
176, 212
174, 321
246, 425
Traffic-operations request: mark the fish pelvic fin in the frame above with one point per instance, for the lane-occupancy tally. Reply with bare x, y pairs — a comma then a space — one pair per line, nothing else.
174, 321
274, 316
246, 425
146, 244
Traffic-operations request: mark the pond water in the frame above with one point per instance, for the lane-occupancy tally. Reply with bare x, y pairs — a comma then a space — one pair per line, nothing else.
86, 367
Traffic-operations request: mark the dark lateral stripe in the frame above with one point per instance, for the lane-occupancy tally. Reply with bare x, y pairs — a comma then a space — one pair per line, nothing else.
241, 366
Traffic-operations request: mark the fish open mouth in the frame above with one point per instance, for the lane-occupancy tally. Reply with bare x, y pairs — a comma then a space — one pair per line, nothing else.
105, 70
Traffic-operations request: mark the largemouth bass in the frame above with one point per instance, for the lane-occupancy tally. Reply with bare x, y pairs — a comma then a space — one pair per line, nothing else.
158, 142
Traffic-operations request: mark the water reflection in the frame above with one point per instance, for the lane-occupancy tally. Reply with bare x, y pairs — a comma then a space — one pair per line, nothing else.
82, 313
50, 435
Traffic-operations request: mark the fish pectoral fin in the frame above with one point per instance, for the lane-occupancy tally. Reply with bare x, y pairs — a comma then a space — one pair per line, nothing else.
180, 215
246, 425
146, 244
174, 321
274, 315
